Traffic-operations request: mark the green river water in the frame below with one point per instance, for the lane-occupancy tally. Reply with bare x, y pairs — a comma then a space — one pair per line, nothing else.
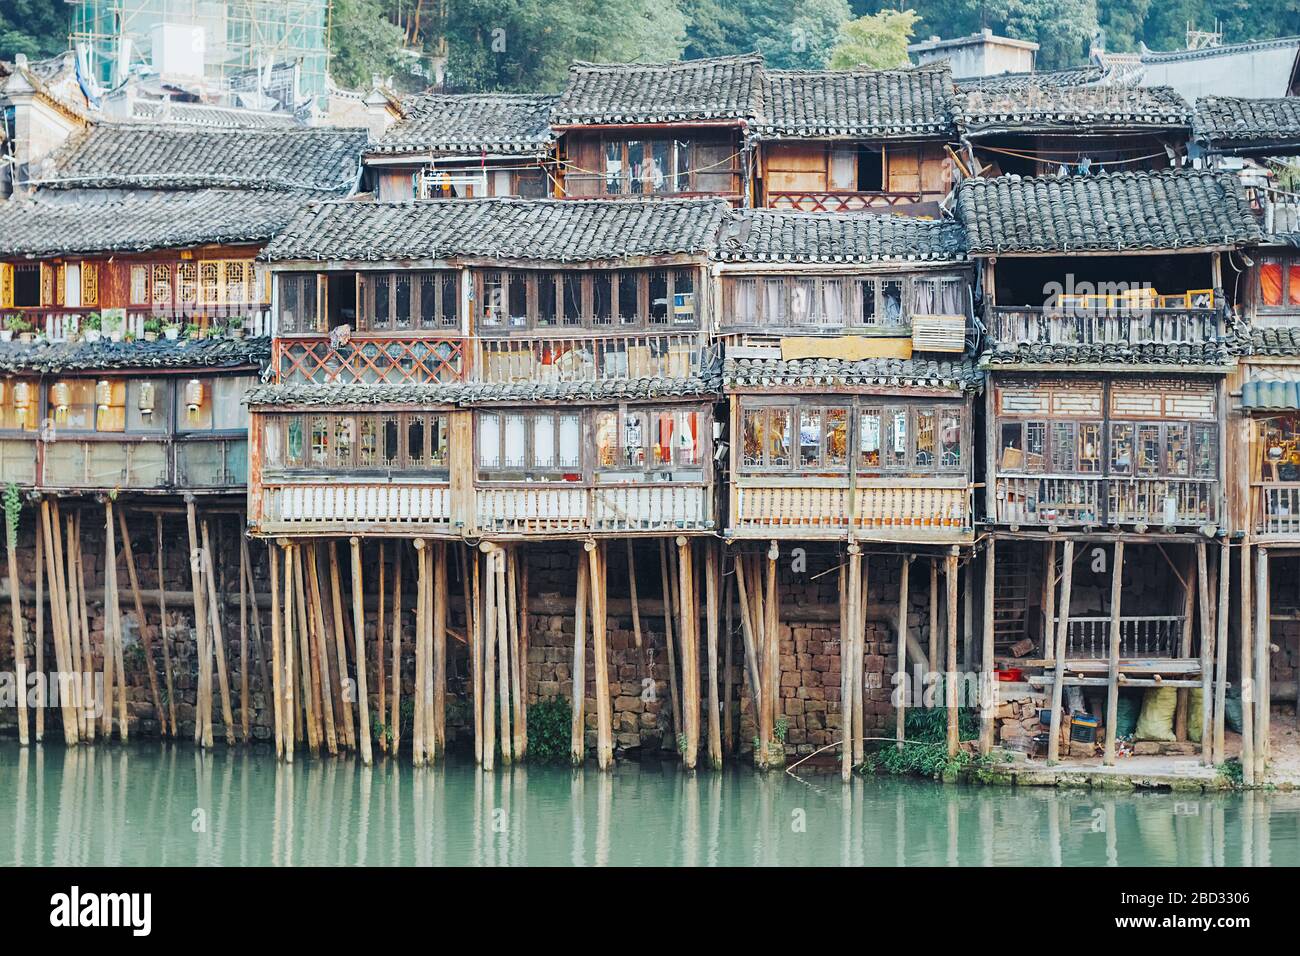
175, 806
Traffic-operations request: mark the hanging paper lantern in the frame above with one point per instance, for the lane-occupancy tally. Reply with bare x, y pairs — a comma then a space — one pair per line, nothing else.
22, 395
193, 397
61, 396
145, 403
103, 394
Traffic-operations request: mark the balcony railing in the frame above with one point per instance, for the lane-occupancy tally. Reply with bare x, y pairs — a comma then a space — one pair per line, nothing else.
60, 324
588, 358
211, 463
1088, 638
846, 201
321, 506
578, 509
1122, 326
370, 359
1277, 507
884, 506
1098, 500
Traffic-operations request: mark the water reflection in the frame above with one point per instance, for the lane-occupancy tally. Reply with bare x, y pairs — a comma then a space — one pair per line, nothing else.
172, 805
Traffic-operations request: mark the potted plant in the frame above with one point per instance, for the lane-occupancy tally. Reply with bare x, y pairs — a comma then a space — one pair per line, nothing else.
92, 326
112, 327
7, 333
171, 330
215, 330
192, 331
152, 327
236, 328
20, 325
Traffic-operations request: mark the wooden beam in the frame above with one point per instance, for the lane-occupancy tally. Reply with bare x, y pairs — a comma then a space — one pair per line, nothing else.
200, 625
168, 675
690, 661
277, 712
78, 636
218, 639
631, 584
440, 647
503, 655
599, 658
1058, 654
933, 655
395, 694
665, 578
771, 628
419, 724
16, 618
578, 733
728, 678
1248, 688
1221, 653
1189, 580
58, 624
259, 642
340, 643
901, 685
381, 594
146, 630
988, 682
952, 678
751, 653
1263, 652
852, 589
711, 636
1112, 679
359, 651
40, 627
489, 658
114, 618
308, 672
520, 731
287, 709
320, 651
80, 610
859, 659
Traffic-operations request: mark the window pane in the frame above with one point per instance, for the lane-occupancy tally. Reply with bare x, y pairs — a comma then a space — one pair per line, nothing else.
659, 297
779, 437
489, 441
744, 301
867, 301
1148, 449
613, 167
1178, 450
379, 291
449, 306
546, 311
658, 170
686, 439
391, 435
1121, 449
950, 438
518, 300
755, 435
606, 439
572, 299
628, 302
1270, 282
891, 301
633, 444
344, 435
570, 442
320, 441
869, 438
1011, 444
543, 441
1090, 448
1205, 451
402, 293
367, 442
832, 302
293, 446
683, 297
1035, 446
438, 441
896, 442
810, 437
146, 406
837, 436
925, 438
1063, 447
803, 302
415, 444
602, 304
516, 442
774, 302
492, 308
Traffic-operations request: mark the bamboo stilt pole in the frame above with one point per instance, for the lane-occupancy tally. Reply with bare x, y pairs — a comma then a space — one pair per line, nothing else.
503, 656
437, 604
772, 633
474, 633
599, 659
146, 629
419, 743
934, 613
1058, 654
711, 636
1263, 640
218, 639
288, 709
308, 673
522, 747
1248, 687
113, 612
277, 693
81, 610
490, 659
751, 653
728, 729
255, 613
577, 730
852, 588
19, 640
1112, 677
381, 596
1207, 655
953, 668
900, 683
988, 685
516, 666
359, 651
690, 659
168, 675
859, 691
1190, 590
631, 584
665, 577
245, 704
40, 627
320, 656
58, 623
78, 636
1221, 652
340, 644
395, 716
204, 706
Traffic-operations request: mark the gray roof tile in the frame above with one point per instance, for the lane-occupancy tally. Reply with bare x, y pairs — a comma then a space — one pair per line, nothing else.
1174, 355
47, 357
470, 123
1174, 209
1281, 342
853, 104
1222, 120
1049, 102
718, 88
560, 230
745, 373
769, 235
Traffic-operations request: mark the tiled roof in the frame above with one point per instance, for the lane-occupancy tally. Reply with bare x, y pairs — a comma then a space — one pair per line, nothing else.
470, 123
718, 88
557, 230
46, 357
1033, 105
769, 235
488, 393
139, 156
849, 104
1180, 355
1276, 342
1227, 119
745, 373
137, 222
213, 117
1080, 76
1175, 209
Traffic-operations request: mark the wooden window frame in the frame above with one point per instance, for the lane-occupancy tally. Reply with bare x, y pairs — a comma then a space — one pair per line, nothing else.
333, 466
528, 474
535, 323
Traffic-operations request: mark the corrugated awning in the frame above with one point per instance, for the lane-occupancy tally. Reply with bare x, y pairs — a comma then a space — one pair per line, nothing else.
1265, 394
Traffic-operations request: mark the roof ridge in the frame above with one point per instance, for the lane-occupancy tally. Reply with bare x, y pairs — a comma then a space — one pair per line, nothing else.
754, 57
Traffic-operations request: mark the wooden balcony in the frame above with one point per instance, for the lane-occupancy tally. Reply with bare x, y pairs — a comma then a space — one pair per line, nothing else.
1088, 638
1071, 500
336, 506
848, 201
370, 359
146, 465
1277, 508
904, 508
1119, 326
588, 357
576, 509
62, 323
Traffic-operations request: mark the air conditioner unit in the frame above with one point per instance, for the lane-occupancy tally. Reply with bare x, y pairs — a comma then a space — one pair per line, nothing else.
938, 333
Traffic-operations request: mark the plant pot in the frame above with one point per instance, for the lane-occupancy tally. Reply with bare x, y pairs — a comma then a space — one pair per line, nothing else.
237, 333
172, 334
27, 337
91, 335
115, 336
6, 335
151, 336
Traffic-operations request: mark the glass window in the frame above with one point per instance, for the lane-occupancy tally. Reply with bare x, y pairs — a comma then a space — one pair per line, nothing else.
744, 301
1178, 450
659, 297
754, 437
368, 442
391, 435
547, 311
273, 441
1089, 452
950, 438
779, 437
602, 299
1063, 434
402, 301
492, 308
572, 286
379, 318
775, 302
837, 437
925, 438
1205, 451
345, 428
294, 442
514, 453
1121, 448
518, 300
684, 297
415, 442
544, 442
489, 440
629, 305
1148, 450
896, 438
606, 439
810, 437
869, 438
449, 303
320, 441
570, 442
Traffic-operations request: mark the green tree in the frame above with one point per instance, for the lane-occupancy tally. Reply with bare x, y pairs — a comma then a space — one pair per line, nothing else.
714, 28
877, 41
363, 42
38, 28
795, 35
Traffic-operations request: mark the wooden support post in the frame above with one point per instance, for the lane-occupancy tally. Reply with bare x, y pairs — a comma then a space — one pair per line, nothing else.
1221, 652
40, 627
772, 634
395, 696
523, 649
81, 610
201, 719
503, 656
901, 684
340, 643
953, 677
690, 657
113, 614
359, 651
519, 728
277, 693
58, 622
146, 631
168, 673
430, 724
490, 659
381, 597
440, 649
728, 678
308, 667
288, 708
711, 636
1115, 635
1248, 689
419, 743
934, 614
80, 657
751, 654
245, 704
859, 650
1058, 653
256, 614
19, 641
631, 584
1263, 652
320, 659
1207, 654
218, 640
665, 577
988, 682
853, 593
599, 658
578, 733
1049, 598
1193, 572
